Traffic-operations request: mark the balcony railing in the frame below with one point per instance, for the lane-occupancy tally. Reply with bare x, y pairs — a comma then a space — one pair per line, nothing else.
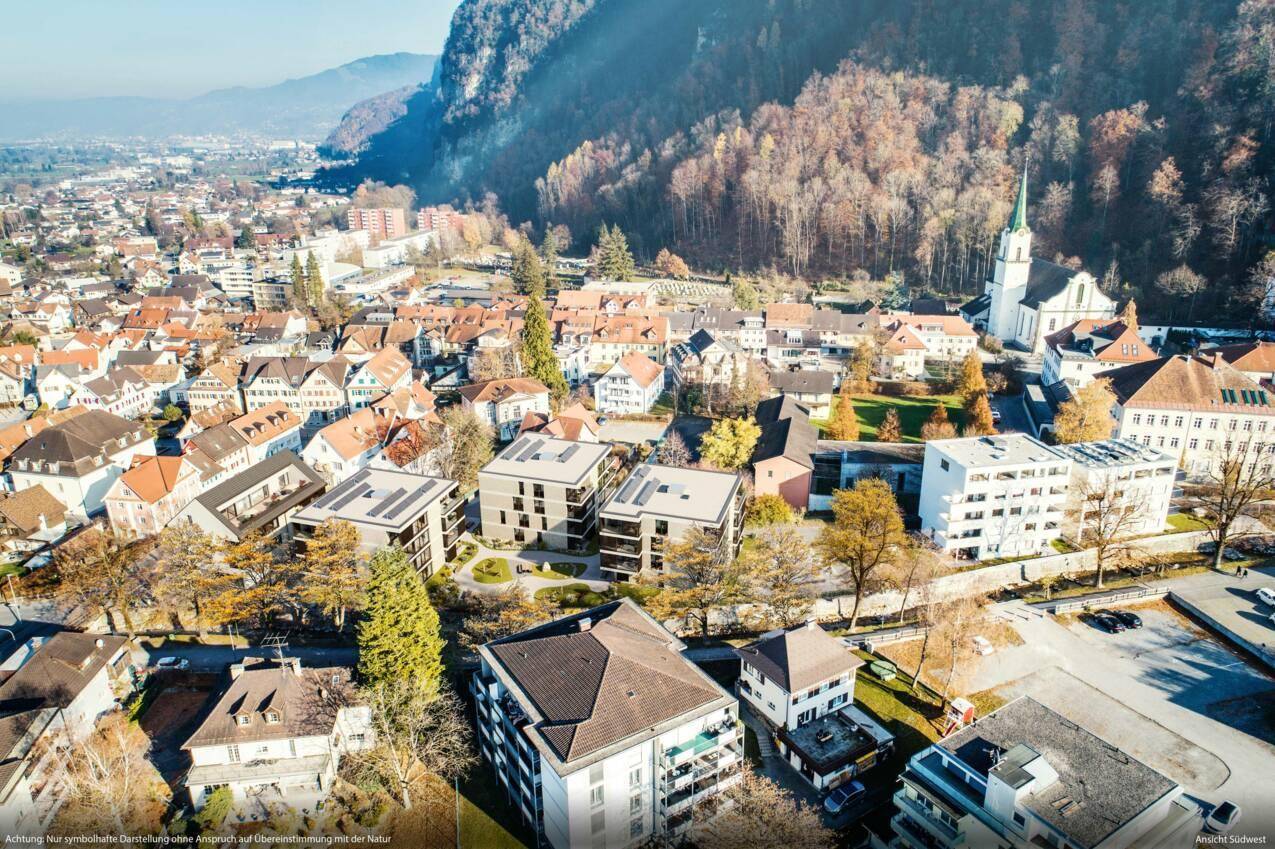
624, 529
619, 544
620, 563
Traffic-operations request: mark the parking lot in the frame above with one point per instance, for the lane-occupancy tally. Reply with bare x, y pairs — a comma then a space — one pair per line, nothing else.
1233, 604
1170, 693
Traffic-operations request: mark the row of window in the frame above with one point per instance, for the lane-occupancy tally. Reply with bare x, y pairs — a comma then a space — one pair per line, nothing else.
1179, 421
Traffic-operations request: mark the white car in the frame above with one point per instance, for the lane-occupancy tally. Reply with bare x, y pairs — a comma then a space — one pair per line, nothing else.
172, 663
1266, 596
1222, 818
996, 416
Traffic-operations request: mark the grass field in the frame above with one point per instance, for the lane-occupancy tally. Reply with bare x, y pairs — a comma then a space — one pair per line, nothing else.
559, 571
1185, 522
493, 570
913, 411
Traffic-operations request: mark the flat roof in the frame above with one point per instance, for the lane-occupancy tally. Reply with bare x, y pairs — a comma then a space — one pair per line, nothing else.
542, 458
1112, 452
834, 739
1010, 449
384, 498
696, 495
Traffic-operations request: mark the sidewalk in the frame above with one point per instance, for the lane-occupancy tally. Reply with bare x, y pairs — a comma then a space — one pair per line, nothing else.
464, 577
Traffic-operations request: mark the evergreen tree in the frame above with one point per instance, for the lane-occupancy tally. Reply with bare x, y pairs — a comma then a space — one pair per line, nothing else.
300, 293
314, 281
247, 238
938, 426
549, 254
890, 431
615, 260
743, 293
399, 639
844, 424
538, 357
527, 274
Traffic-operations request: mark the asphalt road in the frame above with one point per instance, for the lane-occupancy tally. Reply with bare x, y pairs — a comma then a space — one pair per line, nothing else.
1013, 414
217, 658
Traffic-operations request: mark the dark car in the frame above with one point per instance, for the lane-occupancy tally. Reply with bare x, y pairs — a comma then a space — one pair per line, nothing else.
844, 795
1106, 622
1127, 618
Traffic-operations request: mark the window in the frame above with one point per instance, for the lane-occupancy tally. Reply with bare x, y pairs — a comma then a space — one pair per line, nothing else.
1137, 418
636, 828
598, 822
272, 717
1177, 422
635, 804
595, 796
635, 777
944, 465
243, 719
1019, 820
232, 753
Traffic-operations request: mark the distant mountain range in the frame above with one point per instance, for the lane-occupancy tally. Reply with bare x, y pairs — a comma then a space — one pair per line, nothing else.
305, 108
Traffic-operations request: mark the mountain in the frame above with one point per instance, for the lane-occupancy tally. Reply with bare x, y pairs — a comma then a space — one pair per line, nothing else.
307, 107
371, 117
869, 140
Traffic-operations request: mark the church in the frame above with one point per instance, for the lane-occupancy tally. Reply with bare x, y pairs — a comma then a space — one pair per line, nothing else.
1027, 299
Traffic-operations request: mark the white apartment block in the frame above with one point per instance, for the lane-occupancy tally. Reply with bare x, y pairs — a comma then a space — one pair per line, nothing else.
1025, 777
1118, 487
993, 496
545, 492
1196, 409
592, 745
658, 505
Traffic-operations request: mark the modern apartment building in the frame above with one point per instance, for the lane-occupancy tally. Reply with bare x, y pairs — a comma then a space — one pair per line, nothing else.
600, 732
1118, 487
658, 505
545, 492
800, 682
424, 515
993, 496
1024, 777
382, 223
261, 499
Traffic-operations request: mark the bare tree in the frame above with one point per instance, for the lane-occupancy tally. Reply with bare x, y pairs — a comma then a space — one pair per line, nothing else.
1238, 479
419, 735
103, 570
785, 574
1106, 516
918, 564
757, 813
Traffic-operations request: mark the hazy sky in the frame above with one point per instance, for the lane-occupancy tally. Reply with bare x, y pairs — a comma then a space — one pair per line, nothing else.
179, 48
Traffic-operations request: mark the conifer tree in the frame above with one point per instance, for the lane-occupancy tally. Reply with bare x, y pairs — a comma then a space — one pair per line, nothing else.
938, 425
549, 255
615, 260
527, 274
890, 431
314, 281
538, 357
844, 424
399, 639
300, 294
972, 381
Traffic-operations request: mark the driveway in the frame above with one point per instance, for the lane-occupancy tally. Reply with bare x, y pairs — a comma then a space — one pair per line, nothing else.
1169, 694
1013, 414
1232, 602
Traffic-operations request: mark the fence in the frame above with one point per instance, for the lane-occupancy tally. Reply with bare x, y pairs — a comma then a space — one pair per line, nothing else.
1103, 599
875, 639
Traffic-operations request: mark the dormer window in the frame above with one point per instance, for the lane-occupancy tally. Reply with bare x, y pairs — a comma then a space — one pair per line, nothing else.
243, 719
272, 717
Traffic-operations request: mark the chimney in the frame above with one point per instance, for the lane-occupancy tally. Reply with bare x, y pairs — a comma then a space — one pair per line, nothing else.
236, 669
294, 663
44, 524
586, 624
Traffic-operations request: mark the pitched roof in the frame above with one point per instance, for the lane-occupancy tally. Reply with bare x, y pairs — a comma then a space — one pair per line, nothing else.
59, 670
568, 424
786, 431
1184, 382
806, 381
305, 703
1106, 340
1045, 280
789, 315
23, 509
502, 388
352, 435
640, 367
1248, 356
800, 657
267, 423
71, 447
152, 478
601, 677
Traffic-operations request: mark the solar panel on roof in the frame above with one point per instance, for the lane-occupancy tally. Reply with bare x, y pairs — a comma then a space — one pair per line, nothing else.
358, 478
411, 499
349, 496
647, 491
569, 453
627, 490
527, 451
387, 501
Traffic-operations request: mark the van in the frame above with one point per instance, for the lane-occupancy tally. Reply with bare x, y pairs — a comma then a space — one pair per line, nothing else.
1266, 595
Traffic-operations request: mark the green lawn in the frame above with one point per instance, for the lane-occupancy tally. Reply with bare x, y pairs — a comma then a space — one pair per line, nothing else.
572, 595
913, 411
1185, 522
493, 570
559, 571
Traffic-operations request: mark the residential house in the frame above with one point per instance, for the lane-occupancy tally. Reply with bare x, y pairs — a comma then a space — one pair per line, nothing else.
277, 734
121, 391
575, 423
347, 445
615, 336
707, 360
783, 458
800, 682
30, 519
425, 516
632, 385
216, 386
144, 499
262, 499
1087, 348
600, 732
503, 403
268, 430
839, 464
77, 460
223, 446
658, 505
1254, 360
810, 388
385, 372
1118, 489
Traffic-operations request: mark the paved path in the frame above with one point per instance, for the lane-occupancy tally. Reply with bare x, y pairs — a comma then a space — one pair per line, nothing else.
536, 559
631, 432
217, 658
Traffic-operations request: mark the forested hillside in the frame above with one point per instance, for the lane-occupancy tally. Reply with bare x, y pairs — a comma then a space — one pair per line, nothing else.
829, 139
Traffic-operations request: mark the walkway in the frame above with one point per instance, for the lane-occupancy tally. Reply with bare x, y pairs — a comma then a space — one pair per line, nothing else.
536, 559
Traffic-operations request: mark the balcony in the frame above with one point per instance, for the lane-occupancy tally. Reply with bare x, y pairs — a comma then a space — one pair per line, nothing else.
618, 544
620, 563
701, 743
913, 835
633, 530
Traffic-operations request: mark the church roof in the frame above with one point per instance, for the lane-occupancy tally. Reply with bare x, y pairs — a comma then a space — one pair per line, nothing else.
1045, 280
1018, 220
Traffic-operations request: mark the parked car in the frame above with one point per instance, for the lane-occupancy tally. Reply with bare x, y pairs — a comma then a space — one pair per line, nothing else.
1223, 818
996, 416
1266, 595
843, 796
172, 663
1106, 622
1127, 617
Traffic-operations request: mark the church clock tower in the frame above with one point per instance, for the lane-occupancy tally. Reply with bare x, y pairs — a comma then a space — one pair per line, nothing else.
1008, 285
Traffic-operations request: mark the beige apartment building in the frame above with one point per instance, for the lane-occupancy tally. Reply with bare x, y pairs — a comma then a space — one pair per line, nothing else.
545, 492
659, 504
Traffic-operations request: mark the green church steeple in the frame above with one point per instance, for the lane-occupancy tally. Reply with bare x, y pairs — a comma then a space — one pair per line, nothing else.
1018, 221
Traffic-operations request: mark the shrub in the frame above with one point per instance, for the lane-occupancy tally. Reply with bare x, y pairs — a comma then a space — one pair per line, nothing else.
900, 388
216, 807
768, 510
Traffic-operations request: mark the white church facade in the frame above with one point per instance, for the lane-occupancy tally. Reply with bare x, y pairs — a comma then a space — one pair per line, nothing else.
1027, 299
